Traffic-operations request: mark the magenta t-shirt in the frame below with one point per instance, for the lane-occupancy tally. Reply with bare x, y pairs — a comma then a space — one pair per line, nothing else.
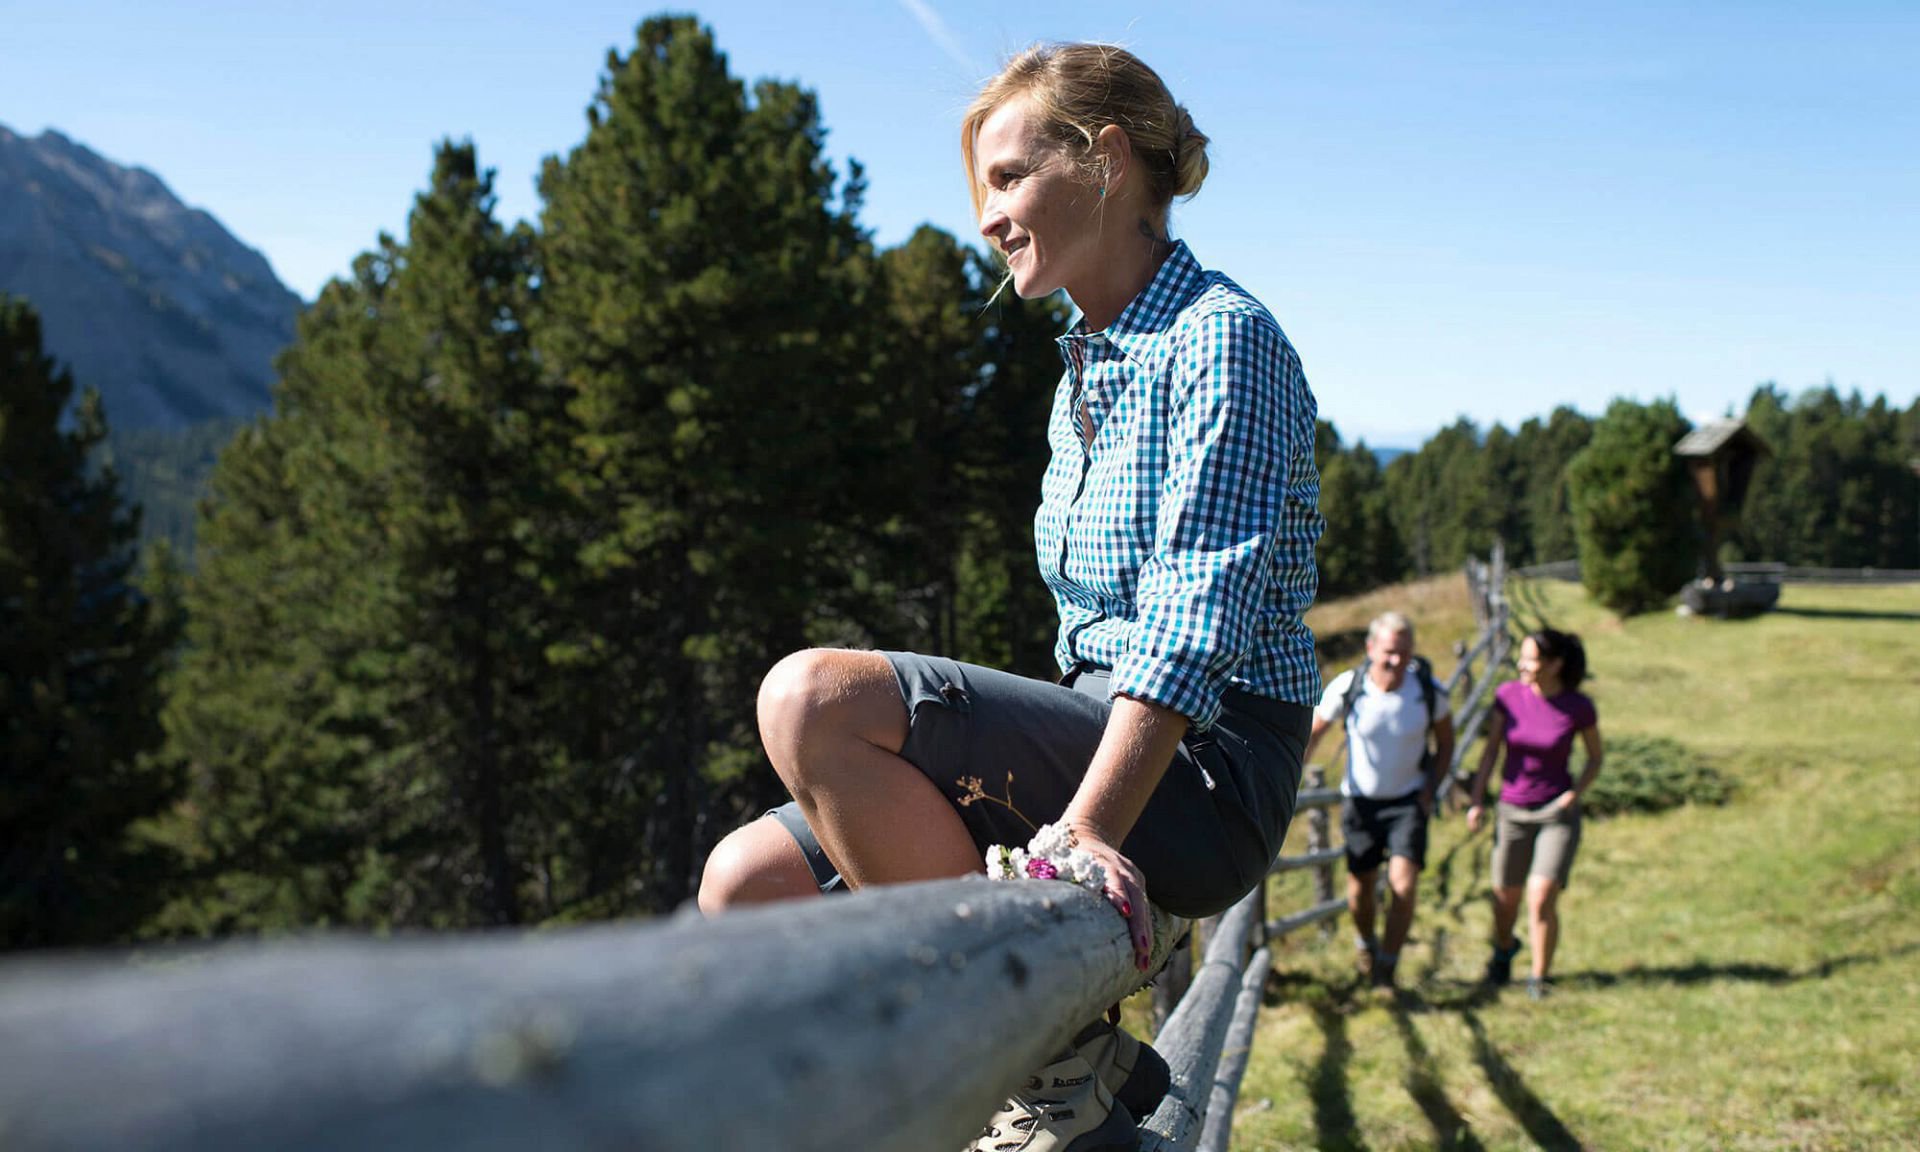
1540, 741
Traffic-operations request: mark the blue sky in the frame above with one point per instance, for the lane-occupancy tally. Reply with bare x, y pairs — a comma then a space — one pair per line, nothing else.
1454, 209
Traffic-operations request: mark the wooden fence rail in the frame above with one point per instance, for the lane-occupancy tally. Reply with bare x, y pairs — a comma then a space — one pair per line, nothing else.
892, 1019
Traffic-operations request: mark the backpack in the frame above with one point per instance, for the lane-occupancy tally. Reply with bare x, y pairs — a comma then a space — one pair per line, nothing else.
1429, 695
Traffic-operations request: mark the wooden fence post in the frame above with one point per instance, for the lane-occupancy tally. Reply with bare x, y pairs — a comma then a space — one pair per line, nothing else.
1318, 840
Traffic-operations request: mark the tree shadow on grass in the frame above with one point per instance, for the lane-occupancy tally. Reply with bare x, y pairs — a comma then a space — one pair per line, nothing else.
1849, 614
1333, 1116
1450, 1129
1701, 972
1541, 1124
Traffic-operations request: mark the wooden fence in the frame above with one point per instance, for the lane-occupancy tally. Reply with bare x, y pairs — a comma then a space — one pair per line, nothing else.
893, 1020
1763, 572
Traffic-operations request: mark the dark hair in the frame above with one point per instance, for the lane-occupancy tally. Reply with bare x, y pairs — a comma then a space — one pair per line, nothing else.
1566, 648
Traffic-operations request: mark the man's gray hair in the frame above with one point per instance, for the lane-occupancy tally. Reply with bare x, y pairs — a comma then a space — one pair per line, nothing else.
1389, 624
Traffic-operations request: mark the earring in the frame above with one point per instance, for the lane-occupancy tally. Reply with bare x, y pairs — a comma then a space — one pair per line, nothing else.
1103, 189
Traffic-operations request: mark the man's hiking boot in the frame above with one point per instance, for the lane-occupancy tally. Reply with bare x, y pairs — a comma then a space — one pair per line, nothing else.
1538, 987
1365, 958
1500, 964
1136, 1075
1064, 1107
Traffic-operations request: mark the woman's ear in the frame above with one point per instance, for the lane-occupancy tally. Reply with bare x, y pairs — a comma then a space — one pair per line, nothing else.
1114, 150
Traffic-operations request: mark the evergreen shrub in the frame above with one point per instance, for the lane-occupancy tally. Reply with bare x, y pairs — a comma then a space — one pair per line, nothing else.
1633, 507
1653, 774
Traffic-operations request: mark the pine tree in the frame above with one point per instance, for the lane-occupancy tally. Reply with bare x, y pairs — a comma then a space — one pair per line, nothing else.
703, 306
1633, 507
277, 711
1445, 499
79, 671
1544, 451
370, 744
1360, 548
472, 432
1839, 489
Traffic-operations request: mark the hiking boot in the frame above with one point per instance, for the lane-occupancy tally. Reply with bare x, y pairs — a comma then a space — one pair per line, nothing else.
1063, 1108
1500, 964
1132, 1071
1383, 972
1365, 959
1537, 988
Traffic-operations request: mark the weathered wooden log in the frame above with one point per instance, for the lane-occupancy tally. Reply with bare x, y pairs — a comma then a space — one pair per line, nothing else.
1171, 983
895, 1018
1315, 796
1324, 910
1217, 1133
1309, 860
1461, 674
1194, 1034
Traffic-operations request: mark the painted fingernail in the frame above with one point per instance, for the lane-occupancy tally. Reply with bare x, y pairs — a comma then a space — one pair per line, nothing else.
1126, 908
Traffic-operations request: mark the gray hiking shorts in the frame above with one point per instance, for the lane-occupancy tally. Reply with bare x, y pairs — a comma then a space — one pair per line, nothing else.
1009, 752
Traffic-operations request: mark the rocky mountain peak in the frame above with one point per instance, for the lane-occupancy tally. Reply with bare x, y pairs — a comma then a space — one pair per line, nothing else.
150, 301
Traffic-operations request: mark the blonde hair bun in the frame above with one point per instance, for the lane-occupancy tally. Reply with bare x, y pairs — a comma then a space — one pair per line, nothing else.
1190, 157
1079, 89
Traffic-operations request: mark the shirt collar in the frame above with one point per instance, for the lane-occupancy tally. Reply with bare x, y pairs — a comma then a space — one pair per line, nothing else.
1141, 330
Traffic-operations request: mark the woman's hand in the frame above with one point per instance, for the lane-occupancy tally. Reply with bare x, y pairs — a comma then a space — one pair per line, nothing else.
1126, 891
1566, 800
1474, 815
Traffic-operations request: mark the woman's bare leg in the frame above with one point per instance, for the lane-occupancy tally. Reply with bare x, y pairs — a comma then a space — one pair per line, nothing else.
753, 865
833, 724
1506, 910
1543, 915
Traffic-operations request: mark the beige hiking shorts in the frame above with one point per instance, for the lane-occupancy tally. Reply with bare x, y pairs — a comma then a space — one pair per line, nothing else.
1535, 842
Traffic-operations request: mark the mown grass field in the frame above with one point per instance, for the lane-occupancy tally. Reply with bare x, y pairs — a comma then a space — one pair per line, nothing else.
1740, 977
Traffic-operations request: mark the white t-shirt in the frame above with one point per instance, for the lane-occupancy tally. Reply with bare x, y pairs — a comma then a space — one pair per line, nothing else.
1388, 734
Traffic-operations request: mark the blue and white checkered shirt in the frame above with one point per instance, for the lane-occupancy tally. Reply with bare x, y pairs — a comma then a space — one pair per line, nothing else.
1179, 514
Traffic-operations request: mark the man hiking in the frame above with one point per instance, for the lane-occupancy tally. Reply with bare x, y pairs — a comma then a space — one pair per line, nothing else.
1399, 732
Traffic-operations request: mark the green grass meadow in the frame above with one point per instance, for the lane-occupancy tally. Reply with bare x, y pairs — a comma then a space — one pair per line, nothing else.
1736, 977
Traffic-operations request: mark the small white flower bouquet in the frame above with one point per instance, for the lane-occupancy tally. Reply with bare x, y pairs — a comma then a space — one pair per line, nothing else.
1050, 855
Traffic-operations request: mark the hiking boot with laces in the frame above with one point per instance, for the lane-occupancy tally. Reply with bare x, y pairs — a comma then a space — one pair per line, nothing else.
1365, 958
1064, 1107
1132, 1071
1500, 964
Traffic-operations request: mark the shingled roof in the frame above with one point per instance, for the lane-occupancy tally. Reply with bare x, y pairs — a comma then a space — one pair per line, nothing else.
1710, 438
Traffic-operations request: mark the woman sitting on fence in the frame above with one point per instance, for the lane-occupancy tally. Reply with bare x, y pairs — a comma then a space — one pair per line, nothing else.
1534, 720
1176, 531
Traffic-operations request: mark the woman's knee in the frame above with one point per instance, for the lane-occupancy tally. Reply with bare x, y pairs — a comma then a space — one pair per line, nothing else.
1540, 898
824, 693
753, 865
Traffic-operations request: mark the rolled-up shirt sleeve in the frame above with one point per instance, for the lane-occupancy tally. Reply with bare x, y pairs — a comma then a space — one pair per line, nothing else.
1221, 506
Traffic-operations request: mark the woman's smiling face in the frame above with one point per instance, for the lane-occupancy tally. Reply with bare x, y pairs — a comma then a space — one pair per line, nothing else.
1040, 210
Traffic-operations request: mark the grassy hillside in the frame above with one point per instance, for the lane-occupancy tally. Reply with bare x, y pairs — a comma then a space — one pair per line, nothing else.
1736, 977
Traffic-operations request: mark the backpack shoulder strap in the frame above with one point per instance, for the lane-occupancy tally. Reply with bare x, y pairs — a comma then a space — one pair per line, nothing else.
1429, 691
1354, 687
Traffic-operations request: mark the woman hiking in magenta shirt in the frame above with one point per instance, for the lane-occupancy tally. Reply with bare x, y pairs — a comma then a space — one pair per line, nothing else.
1537, 831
